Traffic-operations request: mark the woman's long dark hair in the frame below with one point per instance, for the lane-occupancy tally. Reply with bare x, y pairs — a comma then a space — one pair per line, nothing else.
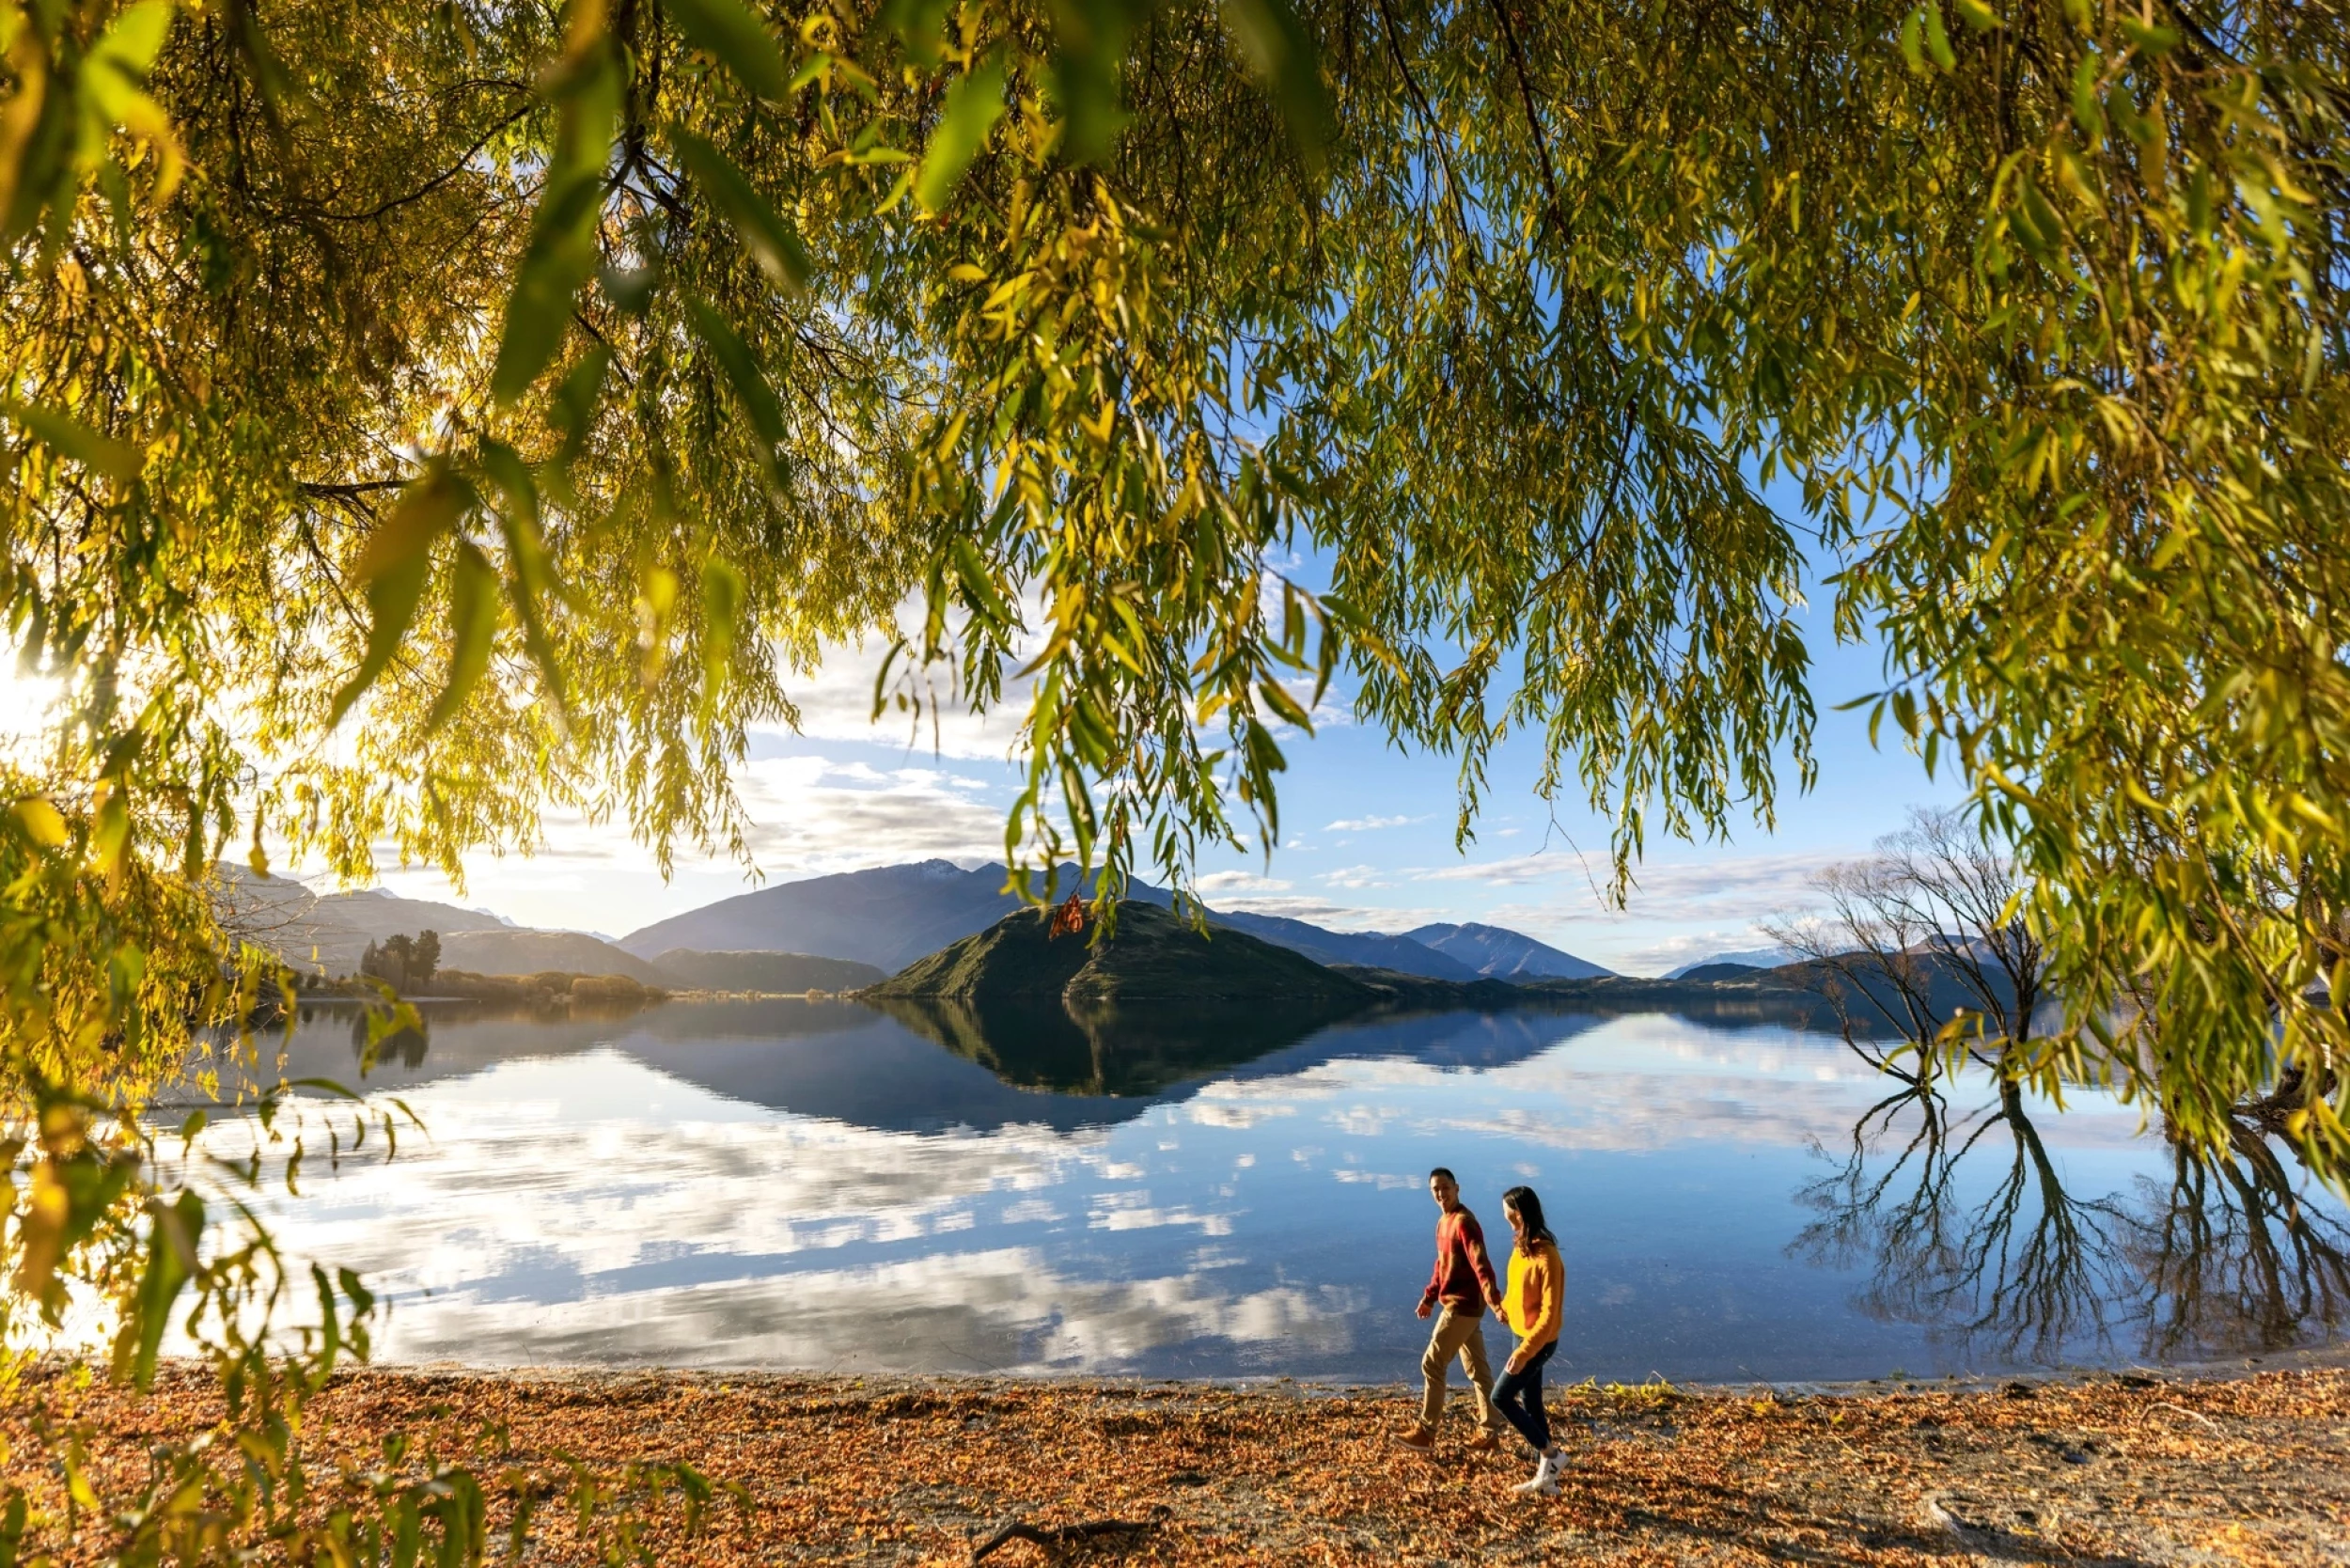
1529, 1211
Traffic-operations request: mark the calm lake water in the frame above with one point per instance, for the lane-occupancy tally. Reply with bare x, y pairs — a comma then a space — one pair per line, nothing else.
791, 1185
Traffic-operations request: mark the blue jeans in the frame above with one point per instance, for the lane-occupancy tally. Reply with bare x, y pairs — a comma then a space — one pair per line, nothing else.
1519, 1398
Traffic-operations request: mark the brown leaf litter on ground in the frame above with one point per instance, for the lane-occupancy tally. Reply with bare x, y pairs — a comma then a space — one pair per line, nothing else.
891, 1470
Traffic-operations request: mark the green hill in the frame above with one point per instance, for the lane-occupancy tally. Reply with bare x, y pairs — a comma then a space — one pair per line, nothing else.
1153, 957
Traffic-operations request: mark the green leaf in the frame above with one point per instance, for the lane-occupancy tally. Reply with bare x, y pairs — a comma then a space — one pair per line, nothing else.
2087, 112
518, 520
561, 253
722, 590
1976, 15
136, 36
40, 821
394, 566
974, 104
770, 238
744, 373
1913, 41
171, 1253
67, 437
1282, 703
1090, 40
2147, 37
738, 40
560, 258
977, 582
916, 23
1938, 37
629, 289
1281, 53
473, 618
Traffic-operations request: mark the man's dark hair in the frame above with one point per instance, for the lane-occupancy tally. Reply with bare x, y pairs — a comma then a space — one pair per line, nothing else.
1446, 1174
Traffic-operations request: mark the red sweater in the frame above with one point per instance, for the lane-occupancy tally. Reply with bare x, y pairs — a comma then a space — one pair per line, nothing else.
1464, 1273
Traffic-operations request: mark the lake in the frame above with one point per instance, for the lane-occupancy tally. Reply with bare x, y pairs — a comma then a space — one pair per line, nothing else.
824, 1186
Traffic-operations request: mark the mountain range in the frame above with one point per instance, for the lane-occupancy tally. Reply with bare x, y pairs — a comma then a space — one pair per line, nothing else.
1498, 954
849, 930
1745, 958
894, 914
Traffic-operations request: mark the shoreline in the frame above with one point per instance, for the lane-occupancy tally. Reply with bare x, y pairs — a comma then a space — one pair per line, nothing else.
2319, 1358
2248, 1464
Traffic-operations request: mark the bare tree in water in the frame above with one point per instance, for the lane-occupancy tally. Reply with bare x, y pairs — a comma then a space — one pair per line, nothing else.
1926, 941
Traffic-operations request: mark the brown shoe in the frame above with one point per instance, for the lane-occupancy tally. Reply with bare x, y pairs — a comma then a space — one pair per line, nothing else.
1484, 1442
1419, 1440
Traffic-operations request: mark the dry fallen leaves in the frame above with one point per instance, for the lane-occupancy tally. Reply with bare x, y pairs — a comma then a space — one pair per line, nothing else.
915, 1471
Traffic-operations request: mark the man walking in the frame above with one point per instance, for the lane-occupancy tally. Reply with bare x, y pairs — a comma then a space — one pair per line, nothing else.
1456, 1293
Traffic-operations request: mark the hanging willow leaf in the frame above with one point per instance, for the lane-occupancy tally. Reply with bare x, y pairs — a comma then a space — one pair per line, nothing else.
1282, 55
394, 565
173, 1234
562, 259
736, 40
115, 77
40, 821
1090, 41
69, 437
745, 375
769, 235
722, 589
561, 254
916, 23
473, 617
526, 553
974, 104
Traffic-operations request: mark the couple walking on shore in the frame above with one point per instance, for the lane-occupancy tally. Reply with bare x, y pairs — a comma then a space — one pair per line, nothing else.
1462, 1287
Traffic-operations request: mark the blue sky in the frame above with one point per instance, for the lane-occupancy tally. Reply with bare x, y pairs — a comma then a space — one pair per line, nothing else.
1368, 830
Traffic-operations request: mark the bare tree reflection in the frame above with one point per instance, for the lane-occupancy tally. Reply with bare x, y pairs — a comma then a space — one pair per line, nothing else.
2234, 1257
1966, 1226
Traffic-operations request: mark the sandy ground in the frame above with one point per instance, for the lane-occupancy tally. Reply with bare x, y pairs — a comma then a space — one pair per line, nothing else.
2135, 1469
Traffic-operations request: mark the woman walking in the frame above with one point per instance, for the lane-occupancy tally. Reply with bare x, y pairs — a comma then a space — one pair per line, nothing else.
1532, 1305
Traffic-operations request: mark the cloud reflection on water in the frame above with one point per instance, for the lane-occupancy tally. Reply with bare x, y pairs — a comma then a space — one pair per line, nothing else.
667, 1196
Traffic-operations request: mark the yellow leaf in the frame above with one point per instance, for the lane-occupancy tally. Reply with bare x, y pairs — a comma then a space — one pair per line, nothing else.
42, 822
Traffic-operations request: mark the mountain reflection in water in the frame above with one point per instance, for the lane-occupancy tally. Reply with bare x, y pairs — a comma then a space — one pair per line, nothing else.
823, 1184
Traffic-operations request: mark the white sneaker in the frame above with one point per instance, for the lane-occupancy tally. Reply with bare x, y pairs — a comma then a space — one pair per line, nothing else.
1544, 1482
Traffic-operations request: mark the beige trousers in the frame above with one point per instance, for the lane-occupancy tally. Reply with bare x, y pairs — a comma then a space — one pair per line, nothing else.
1457, 1333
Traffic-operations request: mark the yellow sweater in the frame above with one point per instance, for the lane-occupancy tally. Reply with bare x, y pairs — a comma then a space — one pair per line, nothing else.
1534, 1301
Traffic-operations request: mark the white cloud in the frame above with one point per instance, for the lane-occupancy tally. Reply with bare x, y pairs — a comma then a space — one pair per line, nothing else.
1241, 882
810, 816
1335, 917
1760, 883
1354, 878
1366, 824
1719, 887
1515, 871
